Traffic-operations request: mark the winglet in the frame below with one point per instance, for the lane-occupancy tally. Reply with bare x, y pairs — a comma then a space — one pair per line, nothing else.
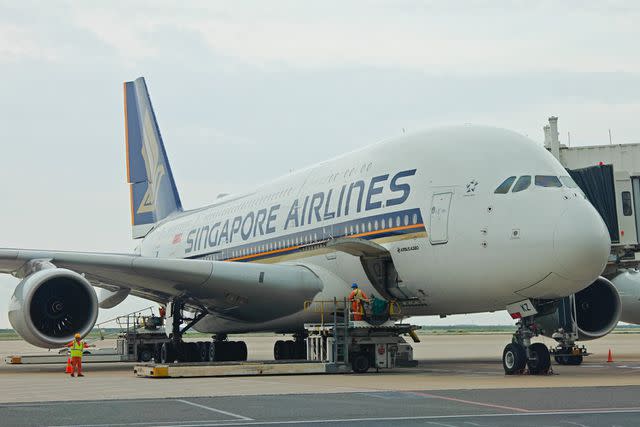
153, 192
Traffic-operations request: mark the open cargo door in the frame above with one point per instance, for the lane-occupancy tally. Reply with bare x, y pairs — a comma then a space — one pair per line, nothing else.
378, 266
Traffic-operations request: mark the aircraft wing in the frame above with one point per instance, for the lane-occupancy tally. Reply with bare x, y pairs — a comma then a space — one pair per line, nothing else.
245, 291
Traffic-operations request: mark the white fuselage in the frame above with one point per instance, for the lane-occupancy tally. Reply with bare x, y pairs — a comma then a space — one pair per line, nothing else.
429, 199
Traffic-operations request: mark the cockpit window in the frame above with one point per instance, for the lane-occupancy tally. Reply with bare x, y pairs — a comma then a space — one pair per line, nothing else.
568, 182
522, 184
505, 186
547, 181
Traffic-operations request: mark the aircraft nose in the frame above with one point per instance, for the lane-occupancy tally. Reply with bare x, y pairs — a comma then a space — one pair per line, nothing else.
581, 243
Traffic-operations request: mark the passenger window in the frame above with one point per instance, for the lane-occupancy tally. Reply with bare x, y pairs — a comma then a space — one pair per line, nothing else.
626, 203
505, 186
547, 181
522, 184
568, 182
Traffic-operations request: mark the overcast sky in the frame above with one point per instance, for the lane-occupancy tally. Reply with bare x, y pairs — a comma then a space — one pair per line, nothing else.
246, 91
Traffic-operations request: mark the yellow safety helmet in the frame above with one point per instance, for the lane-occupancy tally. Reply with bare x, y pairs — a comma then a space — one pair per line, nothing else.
77, 335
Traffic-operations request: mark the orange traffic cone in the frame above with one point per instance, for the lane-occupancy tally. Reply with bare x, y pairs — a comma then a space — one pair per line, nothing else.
69, 369
610, 358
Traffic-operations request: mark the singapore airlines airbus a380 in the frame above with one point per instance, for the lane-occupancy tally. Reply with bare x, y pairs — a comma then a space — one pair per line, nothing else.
451, 220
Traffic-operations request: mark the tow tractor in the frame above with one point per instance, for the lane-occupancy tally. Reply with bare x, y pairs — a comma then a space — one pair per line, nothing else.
335, 344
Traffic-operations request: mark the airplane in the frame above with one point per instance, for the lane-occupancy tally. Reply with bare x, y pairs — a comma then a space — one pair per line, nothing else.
457, 219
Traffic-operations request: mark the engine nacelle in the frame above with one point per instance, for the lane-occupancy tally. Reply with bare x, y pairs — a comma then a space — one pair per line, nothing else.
596, 308
49, 306
628, 285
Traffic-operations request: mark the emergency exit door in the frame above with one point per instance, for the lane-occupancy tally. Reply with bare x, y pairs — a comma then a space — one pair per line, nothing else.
439, 218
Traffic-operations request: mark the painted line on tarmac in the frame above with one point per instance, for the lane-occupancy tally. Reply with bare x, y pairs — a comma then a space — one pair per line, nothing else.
84, 402
471, 402
151, 423
219, 411
425, 418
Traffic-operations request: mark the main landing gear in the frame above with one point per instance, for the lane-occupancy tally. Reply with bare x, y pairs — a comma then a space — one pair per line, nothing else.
176, 350
222, 350
521, 353
291, 349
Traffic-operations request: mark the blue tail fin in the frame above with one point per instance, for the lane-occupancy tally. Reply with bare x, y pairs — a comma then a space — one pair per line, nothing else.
154, 195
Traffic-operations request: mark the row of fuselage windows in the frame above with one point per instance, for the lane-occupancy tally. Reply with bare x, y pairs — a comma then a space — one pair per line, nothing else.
313, 237
523, 182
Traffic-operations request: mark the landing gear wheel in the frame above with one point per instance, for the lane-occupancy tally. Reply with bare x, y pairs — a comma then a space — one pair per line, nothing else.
568, 359
217, 351
201, 352
514, 359
290, 349
167, 353
300, 349
205, 351
540, 359
145, 354
575, 360
360, 363
280, 350
242, 351
190, 352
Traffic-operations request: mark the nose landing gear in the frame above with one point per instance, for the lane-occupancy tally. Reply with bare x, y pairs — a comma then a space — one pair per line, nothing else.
521, 354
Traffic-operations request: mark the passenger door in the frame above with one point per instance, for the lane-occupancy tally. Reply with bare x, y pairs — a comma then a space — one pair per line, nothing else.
439, 218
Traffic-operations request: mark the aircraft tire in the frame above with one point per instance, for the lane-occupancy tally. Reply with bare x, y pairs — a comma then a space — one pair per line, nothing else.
300, 350
167, 353
279, 350
231, 351
290, 349
191, 352
242, 351
514, 359
575, 360
216, 351
205, 349
145, 354
360, 363
201, 352
540, 360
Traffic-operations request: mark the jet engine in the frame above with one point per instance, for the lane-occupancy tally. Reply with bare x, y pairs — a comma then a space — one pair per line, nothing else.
628, 285
49, 306
596, 310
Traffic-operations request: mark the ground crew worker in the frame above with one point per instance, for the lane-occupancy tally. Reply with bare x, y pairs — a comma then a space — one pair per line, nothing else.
77, 347
357, 297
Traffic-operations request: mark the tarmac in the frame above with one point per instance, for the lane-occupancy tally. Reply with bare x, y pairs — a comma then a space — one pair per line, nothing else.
458, 382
